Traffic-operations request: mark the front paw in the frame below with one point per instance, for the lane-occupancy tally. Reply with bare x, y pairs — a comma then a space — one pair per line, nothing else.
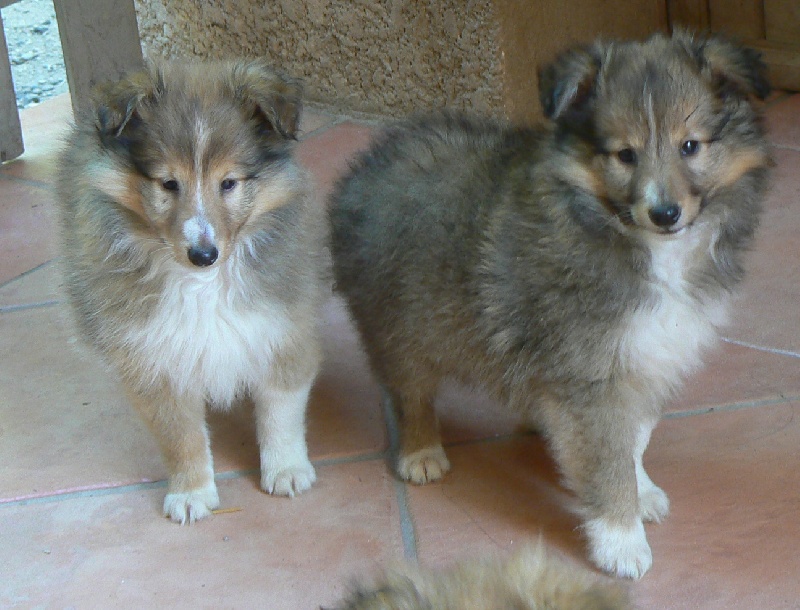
190, 506
288, 480
621, 551
423, 466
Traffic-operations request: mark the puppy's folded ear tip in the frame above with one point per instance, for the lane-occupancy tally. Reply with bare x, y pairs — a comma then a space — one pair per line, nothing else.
277, 96
567, 82
734, 66
114, 104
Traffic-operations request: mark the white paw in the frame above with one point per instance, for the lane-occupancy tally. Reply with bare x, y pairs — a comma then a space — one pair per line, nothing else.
653, 504
423, 466
191, 506
288, 480
619, 550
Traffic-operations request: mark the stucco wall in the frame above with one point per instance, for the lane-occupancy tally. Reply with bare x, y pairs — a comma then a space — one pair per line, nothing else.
391, 57
375, 56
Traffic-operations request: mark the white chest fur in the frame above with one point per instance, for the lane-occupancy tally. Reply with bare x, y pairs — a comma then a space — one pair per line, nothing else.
201, 342
663, 339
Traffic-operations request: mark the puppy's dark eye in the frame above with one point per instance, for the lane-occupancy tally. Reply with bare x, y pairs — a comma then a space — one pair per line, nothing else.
227, 185
689, 148
627, 156
170, 185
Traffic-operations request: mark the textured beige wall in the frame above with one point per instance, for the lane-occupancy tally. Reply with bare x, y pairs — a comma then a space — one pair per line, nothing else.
391, 57
375, 56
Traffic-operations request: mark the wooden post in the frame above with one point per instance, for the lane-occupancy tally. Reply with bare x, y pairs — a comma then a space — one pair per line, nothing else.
10, 131
100, 40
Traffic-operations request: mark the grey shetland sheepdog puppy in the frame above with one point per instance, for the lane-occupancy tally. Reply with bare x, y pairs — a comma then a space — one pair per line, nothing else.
195, 261
576, 270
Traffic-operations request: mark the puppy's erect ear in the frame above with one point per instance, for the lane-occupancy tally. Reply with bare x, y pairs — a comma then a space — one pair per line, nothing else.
567, 85
733, 68
116, 119
116, 104
277, 97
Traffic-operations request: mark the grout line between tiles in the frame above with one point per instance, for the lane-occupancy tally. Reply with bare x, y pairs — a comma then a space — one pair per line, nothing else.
323, 463
737, 406
348, 114
337, 120
46, 186
350, 459
407, 530
786, 147
112, 489
26, 273
83, 492
769, 350
318, 131
27, 306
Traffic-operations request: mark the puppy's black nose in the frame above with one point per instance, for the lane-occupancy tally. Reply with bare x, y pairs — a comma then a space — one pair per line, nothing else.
665, 215
203, 257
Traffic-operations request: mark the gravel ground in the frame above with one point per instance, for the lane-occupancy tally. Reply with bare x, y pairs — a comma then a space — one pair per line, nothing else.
34, 49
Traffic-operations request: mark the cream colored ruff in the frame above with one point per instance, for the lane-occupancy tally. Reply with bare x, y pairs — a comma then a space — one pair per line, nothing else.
663, 340
200, 341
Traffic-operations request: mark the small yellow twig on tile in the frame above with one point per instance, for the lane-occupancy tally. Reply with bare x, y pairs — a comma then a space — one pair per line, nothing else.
222, 511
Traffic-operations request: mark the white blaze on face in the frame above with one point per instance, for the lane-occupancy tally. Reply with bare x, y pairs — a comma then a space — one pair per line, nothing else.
651, 194
197, 229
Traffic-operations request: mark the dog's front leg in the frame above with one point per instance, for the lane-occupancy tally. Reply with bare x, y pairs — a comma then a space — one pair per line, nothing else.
178, 423
596, 446
281, 426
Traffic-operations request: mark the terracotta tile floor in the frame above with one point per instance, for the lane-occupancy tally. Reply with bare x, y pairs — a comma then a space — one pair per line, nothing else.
81, 482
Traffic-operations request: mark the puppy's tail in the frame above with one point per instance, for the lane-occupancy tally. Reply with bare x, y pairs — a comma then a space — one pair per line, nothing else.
530, 579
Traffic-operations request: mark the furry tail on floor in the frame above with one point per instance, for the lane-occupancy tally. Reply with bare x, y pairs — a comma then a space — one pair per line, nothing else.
530, 579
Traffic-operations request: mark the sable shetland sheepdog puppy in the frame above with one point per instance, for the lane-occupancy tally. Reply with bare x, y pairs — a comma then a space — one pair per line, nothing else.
196, 261
527, 580
577, 270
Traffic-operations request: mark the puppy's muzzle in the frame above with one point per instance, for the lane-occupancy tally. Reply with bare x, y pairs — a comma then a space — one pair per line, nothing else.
203, 256
200, 241
665, 215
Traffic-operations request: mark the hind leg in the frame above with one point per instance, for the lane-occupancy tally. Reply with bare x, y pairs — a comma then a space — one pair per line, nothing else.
178, 424
421, 458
